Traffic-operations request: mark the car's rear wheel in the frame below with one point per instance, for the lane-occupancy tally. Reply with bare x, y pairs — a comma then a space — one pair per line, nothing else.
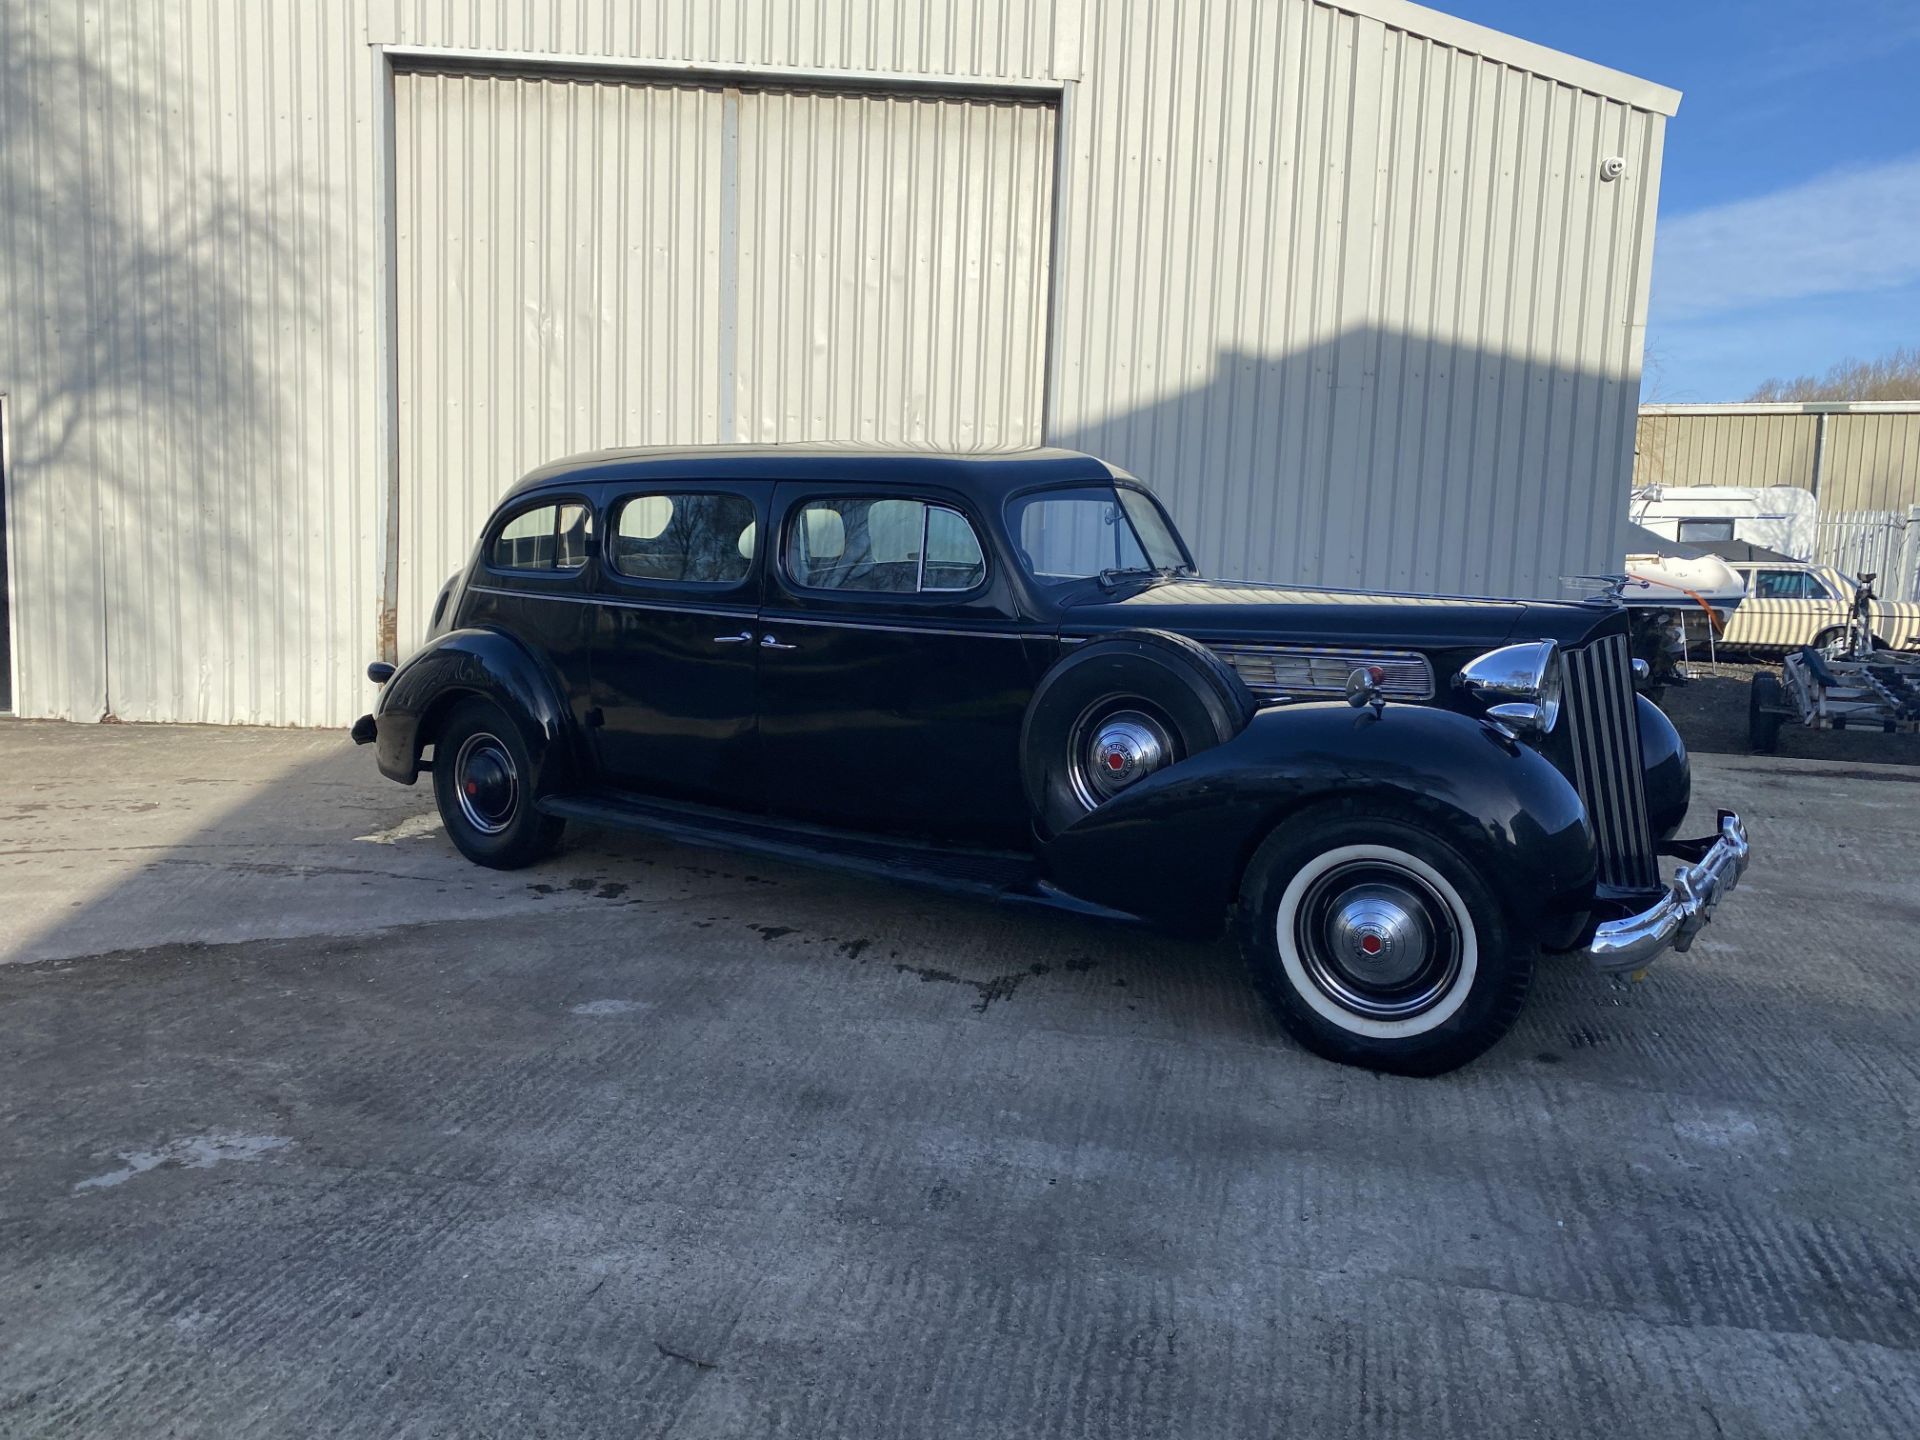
482, 779
1378, 944
1117, 710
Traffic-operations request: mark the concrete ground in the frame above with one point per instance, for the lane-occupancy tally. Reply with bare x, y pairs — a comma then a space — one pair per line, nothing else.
312, 1128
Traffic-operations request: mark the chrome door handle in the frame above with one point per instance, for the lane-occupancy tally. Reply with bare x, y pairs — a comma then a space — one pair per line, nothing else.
745, 637
767, 642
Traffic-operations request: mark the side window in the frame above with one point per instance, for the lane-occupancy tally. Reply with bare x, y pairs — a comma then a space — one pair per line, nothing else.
1787, 585
696, 539
547, 537
886, 546
954, 560
1702, 531
1077, 533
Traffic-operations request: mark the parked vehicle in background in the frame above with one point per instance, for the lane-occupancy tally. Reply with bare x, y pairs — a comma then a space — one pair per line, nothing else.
1003, 674
1791, 605
1852, 683
1781, 517
1680, 600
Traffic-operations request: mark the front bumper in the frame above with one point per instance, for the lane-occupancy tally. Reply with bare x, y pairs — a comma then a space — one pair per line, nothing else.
1671, 924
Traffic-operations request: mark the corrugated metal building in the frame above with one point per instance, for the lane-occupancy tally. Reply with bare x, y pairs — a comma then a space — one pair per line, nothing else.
1853, 455
293, 291
1861, 459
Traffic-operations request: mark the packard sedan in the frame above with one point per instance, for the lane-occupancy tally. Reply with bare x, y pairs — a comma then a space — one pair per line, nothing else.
1002, 674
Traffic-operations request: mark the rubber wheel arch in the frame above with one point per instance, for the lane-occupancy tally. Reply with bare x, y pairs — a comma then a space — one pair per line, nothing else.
530, 836
1496, 995
1200, 696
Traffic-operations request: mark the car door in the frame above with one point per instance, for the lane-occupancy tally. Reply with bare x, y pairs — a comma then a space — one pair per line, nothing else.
534, 579
673, 651
1785, 608
895, 667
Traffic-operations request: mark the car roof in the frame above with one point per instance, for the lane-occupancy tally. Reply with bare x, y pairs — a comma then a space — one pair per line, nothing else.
989, 474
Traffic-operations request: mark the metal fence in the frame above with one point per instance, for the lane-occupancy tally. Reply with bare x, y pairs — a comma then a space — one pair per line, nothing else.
1885, 543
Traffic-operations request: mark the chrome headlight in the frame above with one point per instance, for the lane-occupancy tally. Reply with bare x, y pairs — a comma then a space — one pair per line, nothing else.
1518, 684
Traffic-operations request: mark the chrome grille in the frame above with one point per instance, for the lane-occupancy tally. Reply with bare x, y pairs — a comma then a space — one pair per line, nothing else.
1297, 672
1604, 734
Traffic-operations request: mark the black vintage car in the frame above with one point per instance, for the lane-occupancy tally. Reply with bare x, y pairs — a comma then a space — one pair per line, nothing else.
1002, 674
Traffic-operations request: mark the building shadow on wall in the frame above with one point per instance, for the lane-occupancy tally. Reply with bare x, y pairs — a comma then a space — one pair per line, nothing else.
1387, 460
147, 298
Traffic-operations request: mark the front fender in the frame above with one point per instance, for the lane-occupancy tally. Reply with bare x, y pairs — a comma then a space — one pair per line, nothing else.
1667, 771
488, 663
1172, 849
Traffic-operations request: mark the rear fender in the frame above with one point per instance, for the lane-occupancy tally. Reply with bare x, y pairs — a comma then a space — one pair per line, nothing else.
487, 663
1173, 848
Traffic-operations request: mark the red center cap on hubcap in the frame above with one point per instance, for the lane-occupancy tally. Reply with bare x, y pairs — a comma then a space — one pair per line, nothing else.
473, 787
1116, 761
1370, 944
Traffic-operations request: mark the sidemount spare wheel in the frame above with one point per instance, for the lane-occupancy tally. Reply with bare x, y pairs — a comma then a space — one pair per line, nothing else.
1118, 709
1378, 943
482, 779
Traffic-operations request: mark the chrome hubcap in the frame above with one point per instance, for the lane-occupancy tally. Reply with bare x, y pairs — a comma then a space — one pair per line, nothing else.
486, 783
1115, 751
1379, 934
1378, 940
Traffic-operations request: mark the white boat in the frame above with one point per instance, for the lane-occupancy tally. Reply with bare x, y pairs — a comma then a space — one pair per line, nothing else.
1700, 590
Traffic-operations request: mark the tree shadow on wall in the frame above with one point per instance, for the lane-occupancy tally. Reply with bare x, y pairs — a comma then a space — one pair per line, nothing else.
1380, 459
145, 294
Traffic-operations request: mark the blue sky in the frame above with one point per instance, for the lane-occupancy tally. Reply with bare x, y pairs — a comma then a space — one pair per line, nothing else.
1789, 233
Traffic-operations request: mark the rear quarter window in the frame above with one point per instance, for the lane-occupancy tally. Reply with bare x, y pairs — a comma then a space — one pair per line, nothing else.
546, 537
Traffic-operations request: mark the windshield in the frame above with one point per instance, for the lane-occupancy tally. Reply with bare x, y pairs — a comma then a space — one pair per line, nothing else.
1086, 530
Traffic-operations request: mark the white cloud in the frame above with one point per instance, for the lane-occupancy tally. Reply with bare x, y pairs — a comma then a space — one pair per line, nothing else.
1845, 231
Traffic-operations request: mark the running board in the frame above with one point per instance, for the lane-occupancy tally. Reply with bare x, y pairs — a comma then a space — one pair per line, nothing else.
995, 873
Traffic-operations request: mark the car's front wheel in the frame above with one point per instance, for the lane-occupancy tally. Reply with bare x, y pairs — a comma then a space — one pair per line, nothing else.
1379, 945
482, 779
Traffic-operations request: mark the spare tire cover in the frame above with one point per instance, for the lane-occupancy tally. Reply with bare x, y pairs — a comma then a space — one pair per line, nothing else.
1192, 692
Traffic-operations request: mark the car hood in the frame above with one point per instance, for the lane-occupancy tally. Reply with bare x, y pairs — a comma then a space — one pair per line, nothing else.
1236, 612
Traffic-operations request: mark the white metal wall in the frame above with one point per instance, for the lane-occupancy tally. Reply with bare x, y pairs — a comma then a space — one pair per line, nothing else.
188, 336
1337, 275
1355, 300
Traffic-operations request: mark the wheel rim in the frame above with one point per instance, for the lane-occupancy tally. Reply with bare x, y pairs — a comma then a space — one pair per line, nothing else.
1112, 747
1377, 938
486, 782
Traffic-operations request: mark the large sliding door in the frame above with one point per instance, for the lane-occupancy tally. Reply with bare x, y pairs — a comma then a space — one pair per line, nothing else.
587, 263
559, 270
893, 269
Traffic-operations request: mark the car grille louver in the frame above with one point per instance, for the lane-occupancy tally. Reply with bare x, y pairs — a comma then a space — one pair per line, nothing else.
1299, 672
1603, 733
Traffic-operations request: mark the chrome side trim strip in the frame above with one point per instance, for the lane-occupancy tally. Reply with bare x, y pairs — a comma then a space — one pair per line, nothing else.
734, 613
731, 612
772, 620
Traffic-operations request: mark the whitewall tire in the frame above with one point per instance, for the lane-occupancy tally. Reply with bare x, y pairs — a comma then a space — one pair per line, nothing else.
1379, 943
